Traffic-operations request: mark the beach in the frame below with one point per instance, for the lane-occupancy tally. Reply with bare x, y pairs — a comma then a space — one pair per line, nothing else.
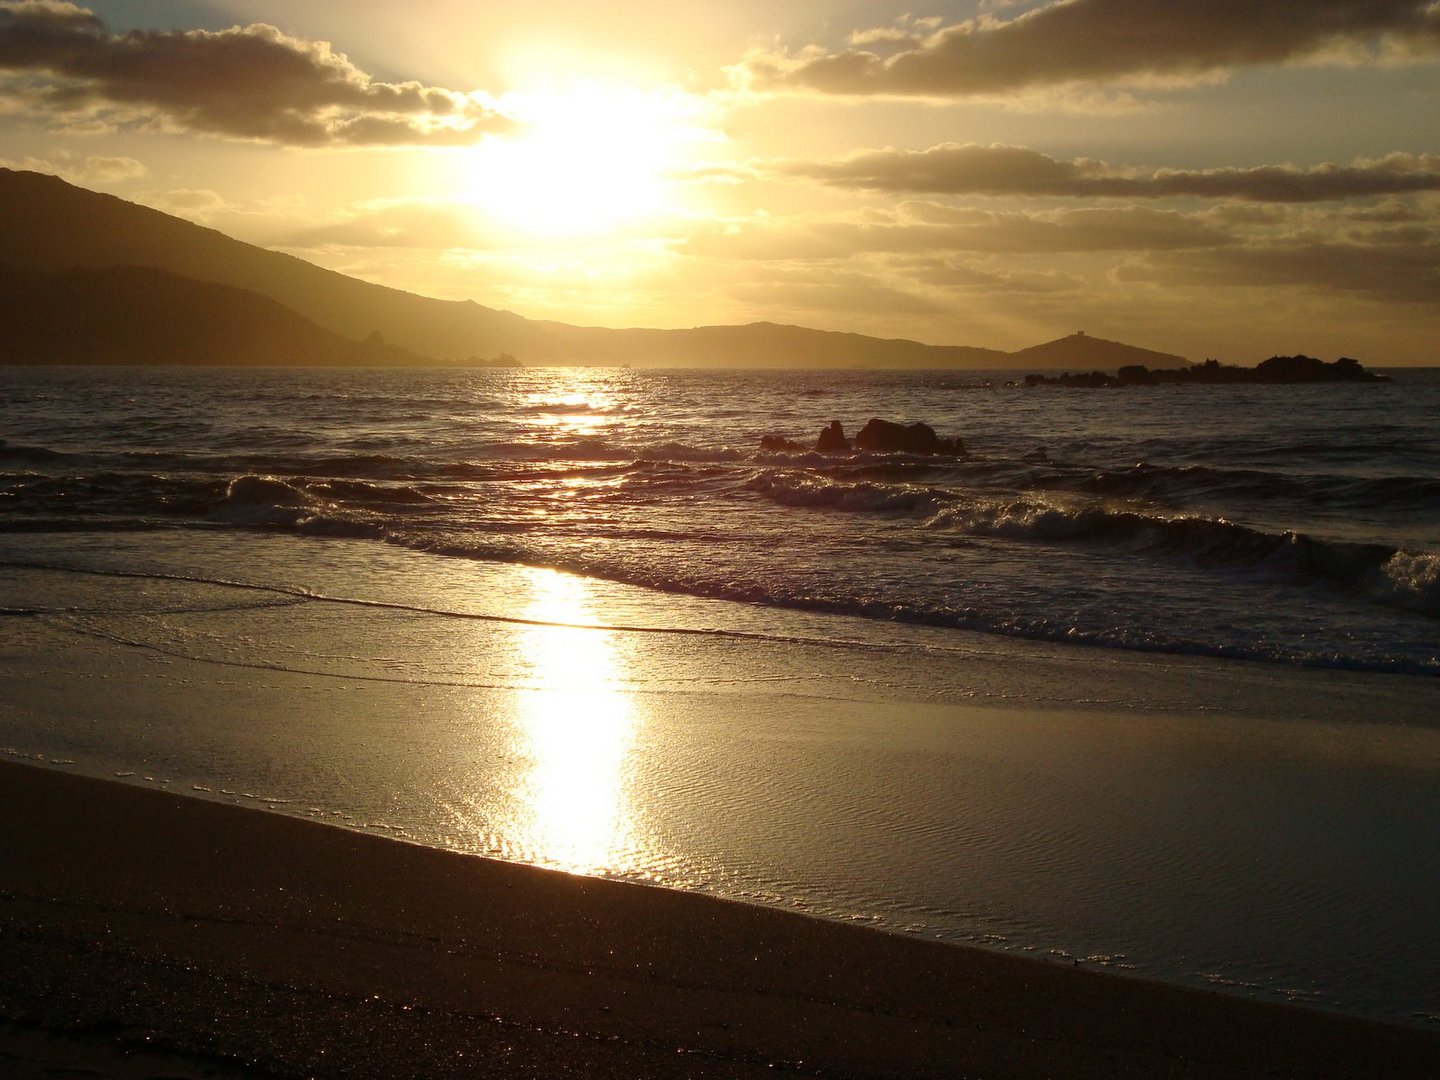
616, 541
287, 948
225, 894
540, 717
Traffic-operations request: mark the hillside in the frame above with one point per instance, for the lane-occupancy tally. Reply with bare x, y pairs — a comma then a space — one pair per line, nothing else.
1080, 350
47, 224
141, 315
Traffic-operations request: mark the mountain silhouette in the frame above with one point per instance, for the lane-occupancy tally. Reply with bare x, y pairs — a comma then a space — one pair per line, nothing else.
53, 233
141, 315
1080, 350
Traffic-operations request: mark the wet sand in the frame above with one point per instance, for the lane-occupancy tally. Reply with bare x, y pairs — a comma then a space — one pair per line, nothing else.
171, 936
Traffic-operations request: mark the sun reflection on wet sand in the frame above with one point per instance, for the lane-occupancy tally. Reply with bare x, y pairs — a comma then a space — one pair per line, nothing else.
575, 731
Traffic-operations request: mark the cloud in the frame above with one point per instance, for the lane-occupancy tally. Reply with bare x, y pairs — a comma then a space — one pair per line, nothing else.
973, 169
951, 274
829, 293
1390, 211
1107, 41
1099, 229
1406, 271
92, 171
930, 228
399, 223
251, 82
194, 203
111, 170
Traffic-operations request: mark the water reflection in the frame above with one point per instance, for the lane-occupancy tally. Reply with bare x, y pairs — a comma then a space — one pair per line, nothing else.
575, 731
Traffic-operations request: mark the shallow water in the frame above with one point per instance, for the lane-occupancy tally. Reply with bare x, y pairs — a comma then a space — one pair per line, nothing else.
1249, 826
1296, 525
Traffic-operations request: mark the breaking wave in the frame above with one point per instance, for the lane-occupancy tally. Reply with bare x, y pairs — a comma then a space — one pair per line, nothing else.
1387, 574
1313, 544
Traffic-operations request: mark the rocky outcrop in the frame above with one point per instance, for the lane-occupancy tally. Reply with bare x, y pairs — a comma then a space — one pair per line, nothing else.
1091, 380
780, 444
832, 440
1278, 369
876, 437
886, 437
1307, 369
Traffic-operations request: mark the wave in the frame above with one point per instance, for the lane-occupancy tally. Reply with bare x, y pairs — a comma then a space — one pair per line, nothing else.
566, 407
28, 455
808, 490
1187, 483
1002, 621
1410, 580
337, 505
290, 594
295, 456
269, 502
1382, 572
1406, 579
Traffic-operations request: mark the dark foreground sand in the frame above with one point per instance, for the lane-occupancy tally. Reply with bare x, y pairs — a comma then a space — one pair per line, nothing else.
149, 935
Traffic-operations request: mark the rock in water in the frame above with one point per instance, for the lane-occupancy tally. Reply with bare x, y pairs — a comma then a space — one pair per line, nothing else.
832, 440
887, 437
781, 444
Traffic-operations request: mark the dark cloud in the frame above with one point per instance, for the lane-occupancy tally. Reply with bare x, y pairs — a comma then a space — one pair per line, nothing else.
949, 274
1118, 229
1100, 229
1391, 211
1109, 41
1395, 272
1402, 235
972, 169
831, 294
935, 228
251, 82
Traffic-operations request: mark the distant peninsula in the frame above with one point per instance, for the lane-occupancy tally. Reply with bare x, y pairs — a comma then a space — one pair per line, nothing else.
1278, 370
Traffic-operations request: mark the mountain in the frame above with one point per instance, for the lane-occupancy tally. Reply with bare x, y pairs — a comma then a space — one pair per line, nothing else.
1080, 350
760, 344
48, 225
292, 311
141, 315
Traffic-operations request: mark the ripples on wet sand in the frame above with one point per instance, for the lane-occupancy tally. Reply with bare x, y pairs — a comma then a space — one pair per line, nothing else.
1245, 826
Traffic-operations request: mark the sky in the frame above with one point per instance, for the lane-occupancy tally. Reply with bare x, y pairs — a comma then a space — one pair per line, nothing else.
1225, 179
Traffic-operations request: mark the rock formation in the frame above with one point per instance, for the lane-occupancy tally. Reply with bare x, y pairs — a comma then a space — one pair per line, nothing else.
877, 437
1278, 369
885, 437
832, 440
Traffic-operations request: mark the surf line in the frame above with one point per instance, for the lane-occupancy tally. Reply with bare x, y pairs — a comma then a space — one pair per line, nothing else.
303, 594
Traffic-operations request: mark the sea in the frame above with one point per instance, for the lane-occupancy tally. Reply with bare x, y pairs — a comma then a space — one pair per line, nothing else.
1179, 550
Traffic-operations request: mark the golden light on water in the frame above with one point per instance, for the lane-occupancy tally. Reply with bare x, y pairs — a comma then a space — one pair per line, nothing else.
575, 732
579, 414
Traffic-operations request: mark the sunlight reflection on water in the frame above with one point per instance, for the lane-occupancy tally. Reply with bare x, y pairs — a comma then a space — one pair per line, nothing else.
574, 734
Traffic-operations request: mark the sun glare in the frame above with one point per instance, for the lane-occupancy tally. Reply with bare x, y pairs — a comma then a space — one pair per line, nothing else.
589, 158
578, 726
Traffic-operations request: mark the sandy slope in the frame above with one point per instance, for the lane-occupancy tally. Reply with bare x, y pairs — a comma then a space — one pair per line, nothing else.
301, 949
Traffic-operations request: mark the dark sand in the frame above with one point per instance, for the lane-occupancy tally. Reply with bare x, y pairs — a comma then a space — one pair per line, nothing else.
149, 935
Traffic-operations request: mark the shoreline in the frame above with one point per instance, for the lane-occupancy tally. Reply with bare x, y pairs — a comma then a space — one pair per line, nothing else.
291, 948
1204, 824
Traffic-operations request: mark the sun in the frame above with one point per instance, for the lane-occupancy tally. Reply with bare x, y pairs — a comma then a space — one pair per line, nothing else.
588, 158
